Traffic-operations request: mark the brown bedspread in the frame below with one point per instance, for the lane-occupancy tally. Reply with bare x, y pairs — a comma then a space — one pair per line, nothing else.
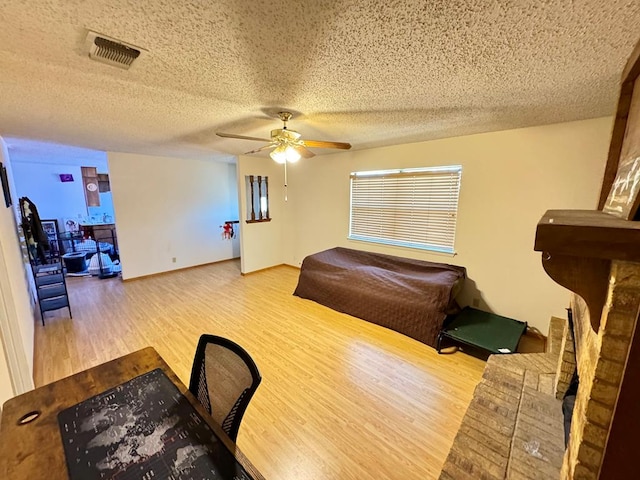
406, 295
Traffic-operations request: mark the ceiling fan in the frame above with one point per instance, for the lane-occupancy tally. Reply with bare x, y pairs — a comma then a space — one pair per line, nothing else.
287, 145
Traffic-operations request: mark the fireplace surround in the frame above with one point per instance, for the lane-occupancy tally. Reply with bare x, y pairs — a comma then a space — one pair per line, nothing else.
605, 413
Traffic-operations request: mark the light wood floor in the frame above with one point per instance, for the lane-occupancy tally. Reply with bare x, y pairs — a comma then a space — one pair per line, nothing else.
340, 398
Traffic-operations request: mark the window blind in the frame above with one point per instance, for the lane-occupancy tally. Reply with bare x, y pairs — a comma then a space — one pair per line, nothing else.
415, 208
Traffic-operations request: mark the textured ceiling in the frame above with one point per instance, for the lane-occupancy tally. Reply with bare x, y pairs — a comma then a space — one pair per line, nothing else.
361, 71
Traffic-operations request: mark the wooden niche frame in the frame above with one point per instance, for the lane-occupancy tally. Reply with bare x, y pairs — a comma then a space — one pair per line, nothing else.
257, 198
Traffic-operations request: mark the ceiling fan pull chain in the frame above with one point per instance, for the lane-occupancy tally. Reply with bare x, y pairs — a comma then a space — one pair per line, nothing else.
285, 180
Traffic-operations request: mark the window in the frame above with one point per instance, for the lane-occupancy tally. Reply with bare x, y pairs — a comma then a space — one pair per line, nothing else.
413, 207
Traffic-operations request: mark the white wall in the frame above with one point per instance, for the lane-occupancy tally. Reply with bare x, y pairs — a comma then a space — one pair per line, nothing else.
509, 179
6, 387
263, 244
16, 307
54, 199
39, 179
171, 208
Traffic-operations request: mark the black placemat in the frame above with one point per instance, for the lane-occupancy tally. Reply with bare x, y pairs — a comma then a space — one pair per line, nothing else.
143, 429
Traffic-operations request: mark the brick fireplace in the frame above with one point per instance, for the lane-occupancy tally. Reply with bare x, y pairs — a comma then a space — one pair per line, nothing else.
601, 359
512, 428
596, 255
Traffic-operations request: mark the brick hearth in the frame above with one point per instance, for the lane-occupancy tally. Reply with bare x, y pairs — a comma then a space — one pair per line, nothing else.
513, 427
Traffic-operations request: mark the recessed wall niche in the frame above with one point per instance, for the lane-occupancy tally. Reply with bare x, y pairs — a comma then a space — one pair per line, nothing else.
257, 188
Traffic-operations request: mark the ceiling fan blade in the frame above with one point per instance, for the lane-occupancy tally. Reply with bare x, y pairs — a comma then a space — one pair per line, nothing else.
323, 144
242, 137
271, 145
304, 152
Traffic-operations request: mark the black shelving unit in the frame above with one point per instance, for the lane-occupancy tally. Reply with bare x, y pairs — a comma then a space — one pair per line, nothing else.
51, 288
44, 251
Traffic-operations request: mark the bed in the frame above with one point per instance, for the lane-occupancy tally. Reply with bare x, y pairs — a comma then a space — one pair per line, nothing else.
410, 296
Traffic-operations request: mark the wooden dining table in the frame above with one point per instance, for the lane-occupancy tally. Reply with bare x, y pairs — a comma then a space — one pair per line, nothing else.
31, 442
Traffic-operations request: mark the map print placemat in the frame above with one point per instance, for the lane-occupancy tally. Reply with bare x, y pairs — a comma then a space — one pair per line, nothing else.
143, 429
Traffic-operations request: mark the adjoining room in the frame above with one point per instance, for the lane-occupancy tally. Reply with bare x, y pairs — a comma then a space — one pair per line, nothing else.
69, 189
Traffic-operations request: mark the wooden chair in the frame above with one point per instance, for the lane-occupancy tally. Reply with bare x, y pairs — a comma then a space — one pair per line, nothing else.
224, 378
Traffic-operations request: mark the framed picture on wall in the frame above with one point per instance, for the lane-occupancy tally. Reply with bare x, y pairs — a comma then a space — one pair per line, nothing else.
50, 227
5, 185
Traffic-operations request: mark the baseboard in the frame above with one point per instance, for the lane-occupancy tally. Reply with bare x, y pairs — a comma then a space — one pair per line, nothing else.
269, 268
141, 277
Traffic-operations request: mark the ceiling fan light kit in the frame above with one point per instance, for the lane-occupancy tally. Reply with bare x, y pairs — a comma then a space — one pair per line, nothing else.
287, 144
285, 153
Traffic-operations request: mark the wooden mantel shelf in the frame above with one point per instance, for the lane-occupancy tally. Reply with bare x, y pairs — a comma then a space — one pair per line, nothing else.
578, 247
588, 233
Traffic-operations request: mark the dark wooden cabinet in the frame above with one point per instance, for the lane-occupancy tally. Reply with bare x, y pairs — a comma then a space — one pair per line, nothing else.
100, 232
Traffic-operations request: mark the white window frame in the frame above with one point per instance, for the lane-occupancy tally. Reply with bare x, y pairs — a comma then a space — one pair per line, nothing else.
409, 207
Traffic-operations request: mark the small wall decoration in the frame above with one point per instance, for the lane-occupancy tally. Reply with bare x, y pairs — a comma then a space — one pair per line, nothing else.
5, 185
90, 182
227, 230
71, 225
66, 177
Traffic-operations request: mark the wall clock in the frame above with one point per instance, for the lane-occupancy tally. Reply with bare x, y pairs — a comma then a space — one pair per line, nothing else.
92, 187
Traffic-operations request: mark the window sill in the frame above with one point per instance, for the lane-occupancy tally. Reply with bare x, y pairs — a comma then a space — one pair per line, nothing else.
424, 248
259, 221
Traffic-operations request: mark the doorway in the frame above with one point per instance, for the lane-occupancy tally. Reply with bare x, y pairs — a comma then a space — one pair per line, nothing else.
70, 188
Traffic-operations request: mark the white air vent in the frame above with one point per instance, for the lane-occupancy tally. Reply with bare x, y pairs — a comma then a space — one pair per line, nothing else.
111, 51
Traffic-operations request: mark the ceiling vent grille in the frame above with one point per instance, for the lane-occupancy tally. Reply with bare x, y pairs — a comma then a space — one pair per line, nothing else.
111, 51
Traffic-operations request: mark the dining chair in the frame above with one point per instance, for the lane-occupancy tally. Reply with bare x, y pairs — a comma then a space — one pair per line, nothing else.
224, 377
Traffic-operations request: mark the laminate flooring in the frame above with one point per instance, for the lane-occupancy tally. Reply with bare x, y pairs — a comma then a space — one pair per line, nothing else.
340, 398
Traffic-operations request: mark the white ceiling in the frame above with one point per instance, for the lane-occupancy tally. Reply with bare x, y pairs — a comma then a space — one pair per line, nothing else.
33, 151
367, 72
